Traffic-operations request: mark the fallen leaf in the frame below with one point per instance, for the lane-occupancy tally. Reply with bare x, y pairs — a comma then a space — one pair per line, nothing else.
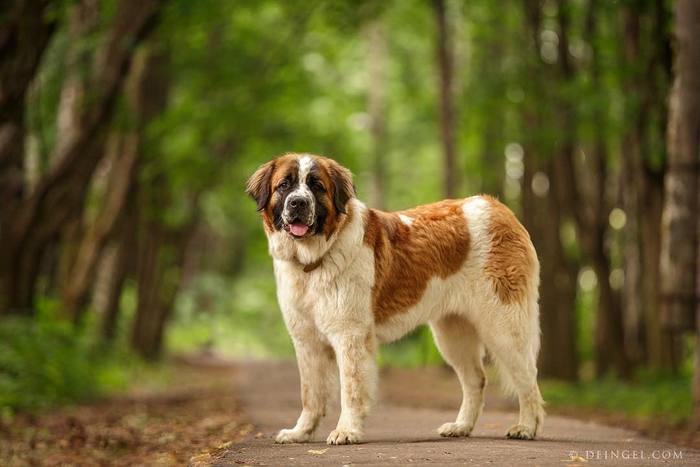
317, 451
200, 459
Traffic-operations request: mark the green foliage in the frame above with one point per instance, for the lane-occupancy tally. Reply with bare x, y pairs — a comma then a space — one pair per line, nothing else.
668, 398
46, 361
415, 350
240, 319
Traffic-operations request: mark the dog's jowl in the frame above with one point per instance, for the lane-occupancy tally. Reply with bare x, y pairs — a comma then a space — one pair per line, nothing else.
349, 277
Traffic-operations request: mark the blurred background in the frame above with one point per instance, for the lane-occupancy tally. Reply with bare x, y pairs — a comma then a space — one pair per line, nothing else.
129, 127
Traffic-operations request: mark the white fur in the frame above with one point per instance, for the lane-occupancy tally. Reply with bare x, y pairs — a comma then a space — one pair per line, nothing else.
405, 219
306, 163
332, 306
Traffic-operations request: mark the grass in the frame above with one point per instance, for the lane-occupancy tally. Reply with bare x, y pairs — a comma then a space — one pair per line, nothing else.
648, 397
45, 361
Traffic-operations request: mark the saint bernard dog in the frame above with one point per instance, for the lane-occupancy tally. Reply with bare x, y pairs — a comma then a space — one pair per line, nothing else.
350, 277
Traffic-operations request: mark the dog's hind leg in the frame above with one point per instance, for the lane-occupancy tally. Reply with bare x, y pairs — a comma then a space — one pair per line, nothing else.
461, 348
514, 344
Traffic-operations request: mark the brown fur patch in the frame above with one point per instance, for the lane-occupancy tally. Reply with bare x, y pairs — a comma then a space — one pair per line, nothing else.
406, 257
329, 352
511, 259
327, 173
282, 166
370, 342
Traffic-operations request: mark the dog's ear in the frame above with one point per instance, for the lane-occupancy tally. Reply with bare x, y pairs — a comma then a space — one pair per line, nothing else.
259, 184
343, 188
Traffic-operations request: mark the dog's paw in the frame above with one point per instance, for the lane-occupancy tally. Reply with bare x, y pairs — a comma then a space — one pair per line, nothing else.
454, 430
520, 432
288, 436
344, 437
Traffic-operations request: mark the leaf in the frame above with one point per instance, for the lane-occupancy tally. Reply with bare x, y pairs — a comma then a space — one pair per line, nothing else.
318, 452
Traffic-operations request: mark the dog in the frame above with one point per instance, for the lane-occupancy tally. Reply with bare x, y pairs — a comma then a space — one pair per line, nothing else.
350, 277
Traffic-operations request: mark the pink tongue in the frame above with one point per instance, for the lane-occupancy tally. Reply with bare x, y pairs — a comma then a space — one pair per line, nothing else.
299, 230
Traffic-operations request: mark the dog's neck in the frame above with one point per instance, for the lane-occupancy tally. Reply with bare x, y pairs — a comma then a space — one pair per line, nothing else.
311, 267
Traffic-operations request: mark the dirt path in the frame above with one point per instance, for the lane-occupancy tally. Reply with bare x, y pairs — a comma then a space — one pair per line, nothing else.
401, 429
188, 415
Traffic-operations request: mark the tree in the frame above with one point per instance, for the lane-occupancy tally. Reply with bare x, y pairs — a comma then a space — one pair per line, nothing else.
162, 255
588, 208
681, 215
146, 94
26, 29
543, 215
445, 64
643, 73
592, 220
116, 263
377, 109
25, 32
30, 223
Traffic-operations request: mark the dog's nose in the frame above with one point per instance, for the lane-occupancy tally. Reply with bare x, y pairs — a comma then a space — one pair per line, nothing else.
298, 203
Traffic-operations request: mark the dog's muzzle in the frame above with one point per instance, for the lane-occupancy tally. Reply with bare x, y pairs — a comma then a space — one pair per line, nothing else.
298, 215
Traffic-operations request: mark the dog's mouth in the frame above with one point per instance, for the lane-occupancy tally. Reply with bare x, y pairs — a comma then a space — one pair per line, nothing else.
297, 229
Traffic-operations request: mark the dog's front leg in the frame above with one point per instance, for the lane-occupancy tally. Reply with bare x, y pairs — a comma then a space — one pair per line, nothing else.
317, 373
358, 376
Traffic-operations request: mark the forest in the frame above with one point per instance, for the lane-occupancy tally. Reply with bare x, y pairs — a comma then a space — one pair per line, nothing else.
129, 127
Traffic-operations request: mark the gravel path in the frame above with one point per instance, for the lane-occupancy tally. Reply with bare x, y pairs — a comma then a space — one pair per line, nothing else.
401, 429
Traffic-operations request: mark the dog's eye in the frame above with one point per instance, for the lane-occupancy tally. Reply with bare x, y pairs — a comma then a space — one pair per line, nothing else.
318, 186
284, 184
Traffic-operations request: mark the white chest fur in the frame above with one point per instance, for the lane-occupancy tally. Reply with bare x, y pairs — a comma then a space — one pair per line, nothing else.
339, 289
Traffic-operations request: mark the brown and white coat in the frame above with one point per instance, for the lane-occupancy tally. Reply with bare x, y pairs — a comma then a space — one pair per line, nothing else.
349, 277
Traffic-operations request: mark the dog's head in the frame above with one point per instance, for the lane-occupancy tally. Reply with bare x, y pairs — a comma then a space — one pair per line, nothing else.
301, 194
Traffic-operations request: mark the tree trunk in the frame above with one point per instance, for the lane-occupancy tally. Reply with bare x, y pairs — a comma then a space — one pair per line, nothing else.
492, 156
587, 210
147, 95
588, 201
680, 215
445, 63
160, 273
115, 266
25, 31
29, 224
83, 19
543, 217
76, 290
645, 55
695, 417
149, 312
377, 110
680, 254
82, 23
664, 348
632, 183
